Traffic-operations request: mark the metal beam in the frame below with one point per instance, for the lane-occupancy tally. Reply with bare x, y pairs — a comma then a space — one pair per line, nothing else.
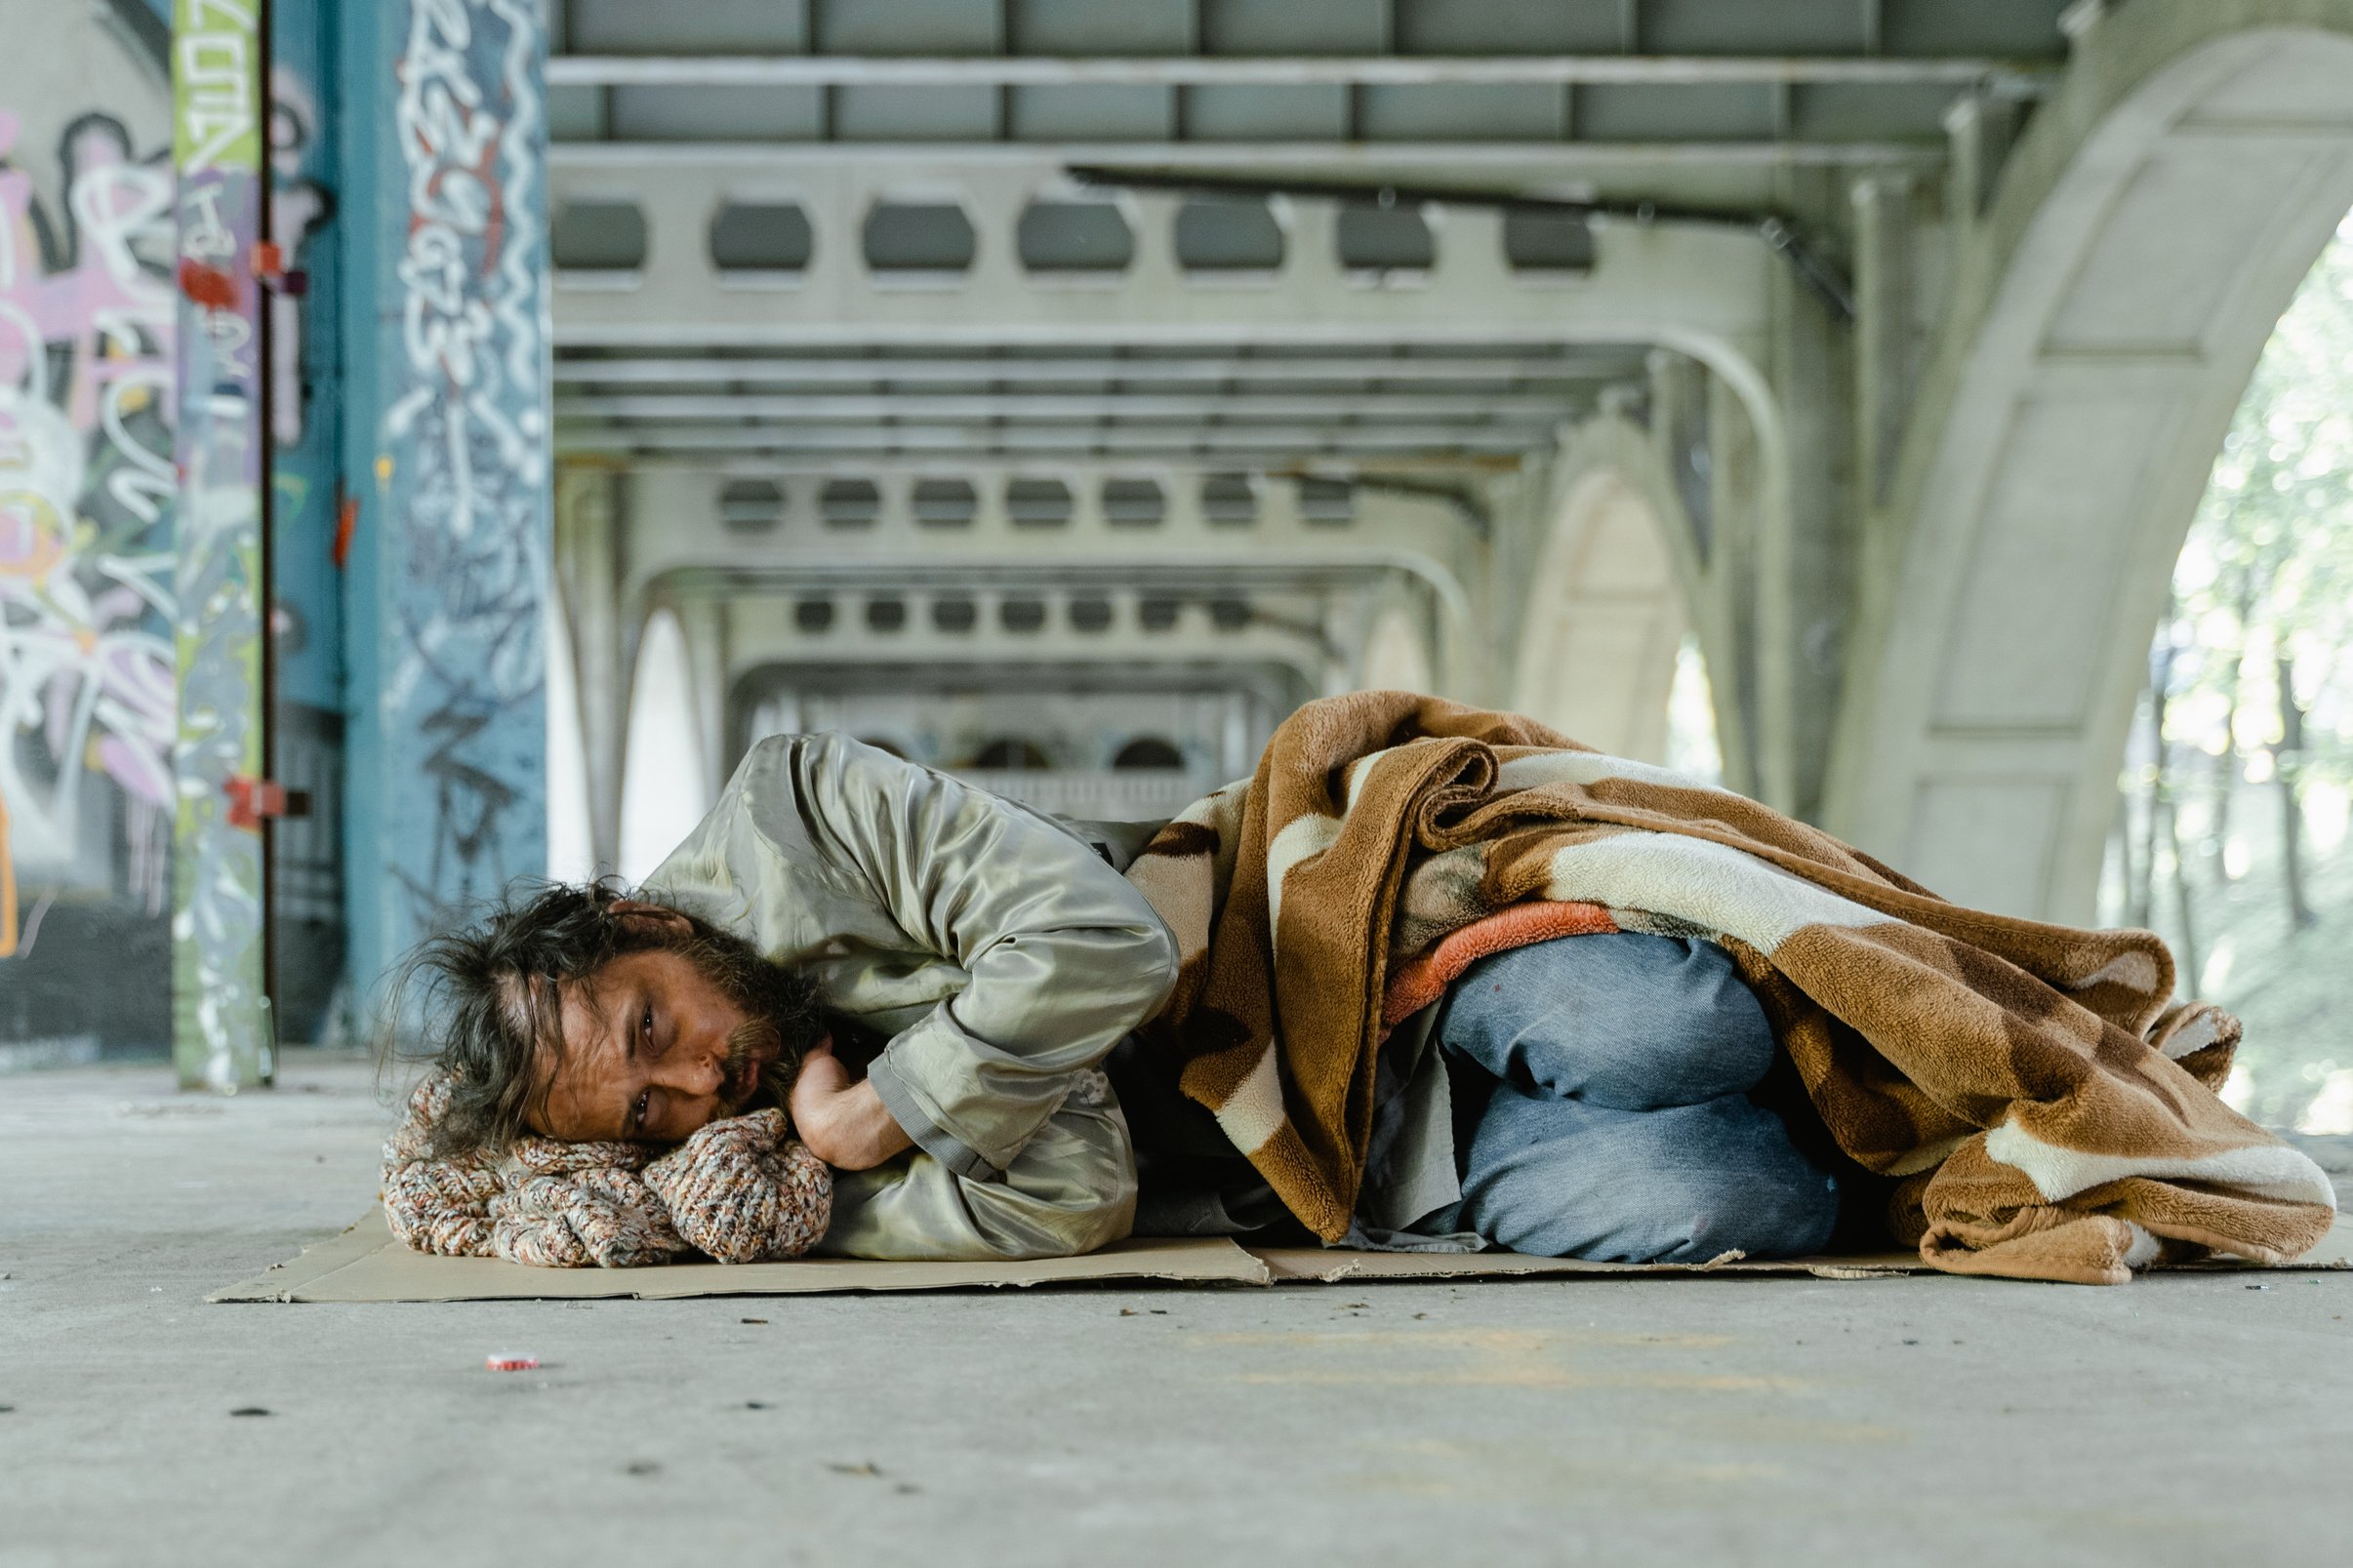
1276, 441
1340, 406
1423, 536
1813, 270
572, 369
956, 577
1703, 288
222, 1036
1267, 70
1547, 159
1278, 464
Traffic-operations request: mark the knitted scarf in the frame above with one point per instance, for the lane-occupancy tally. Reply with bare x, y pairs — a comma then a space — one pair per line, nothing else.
739, 1191
2049, 1110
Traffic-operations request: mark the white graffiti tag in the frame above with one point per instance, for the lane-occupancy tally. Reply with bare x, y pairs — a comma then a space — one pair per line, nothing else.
466, 440
85, 663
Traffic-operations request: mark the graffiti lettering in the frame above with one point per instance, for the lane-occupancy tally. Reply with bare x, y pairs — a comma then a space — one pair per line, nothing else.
213, 78
468, 803
220, 1033
468, 437
86, 679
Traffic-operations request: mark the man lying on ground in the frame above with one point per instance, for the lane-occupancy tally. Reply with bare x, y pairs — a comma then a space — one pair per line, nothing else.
1434, 978
974, 961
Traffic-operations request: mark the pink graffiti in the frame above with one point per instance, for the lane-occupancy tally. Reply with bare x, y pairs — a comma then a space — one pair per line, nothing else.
85, 367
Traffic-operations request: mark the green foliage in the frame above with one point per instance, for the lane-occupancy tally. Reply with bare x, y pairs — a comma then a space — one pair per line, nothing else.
2268, 566
2233, 839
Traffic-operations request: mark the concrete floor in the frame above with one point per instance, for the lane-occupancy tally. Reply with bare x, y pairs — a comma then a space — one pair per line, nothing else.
2183, 1419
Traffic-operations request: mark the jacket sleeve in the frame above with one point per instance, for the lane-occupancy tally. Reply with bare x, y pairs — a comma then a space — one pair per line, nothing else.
1063, 956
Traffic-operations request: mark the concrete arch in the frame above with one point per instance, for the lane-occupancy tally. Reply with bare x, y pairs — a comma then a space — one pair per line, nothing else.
571, 833
1608, 600
2108, 312
664, 790
1396, 656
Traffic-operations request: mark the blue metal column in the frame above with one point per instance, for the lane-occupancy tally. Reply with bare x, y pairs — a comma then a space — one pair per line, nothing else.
308, 501
446, 450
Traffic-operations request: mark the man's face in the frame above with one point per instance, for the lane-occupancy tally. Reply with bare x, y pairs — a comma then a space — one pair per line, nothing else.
653, 1051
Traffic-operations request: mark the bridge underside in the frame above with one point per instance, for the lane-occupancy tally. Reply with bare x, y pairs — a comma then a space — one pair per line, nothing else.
1061, 393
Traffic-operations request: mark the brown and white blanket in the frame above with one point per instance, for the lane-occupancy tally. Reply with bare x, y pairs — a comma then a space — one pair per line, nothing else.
2048, 1109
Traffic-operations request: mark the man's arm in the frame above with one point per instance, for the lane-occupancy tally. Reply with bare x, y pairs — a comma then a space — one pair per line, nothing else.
842, 1120
820, 847
1063, 955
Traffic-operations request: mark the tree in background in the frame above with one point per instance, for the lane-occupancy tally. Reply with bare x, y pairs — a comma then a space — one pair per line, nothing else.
2250, 694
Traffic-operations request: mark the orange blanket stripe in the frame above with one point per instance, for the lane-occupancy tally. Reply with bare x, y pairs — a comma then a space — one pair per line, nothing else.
1424, 980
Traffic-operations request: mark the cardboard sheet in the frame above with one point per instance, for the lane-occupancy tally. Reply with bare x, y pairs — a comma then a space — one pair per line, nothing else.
1335, 1267
364, 1263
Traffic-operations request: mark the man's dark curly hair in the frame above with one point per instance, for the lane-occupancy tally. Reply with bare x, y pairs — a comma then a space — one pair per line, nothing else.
482, 1004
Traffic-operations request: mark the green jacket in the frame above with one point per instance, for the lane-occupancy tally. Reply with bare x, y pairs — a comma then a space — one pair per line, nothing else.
1001, 955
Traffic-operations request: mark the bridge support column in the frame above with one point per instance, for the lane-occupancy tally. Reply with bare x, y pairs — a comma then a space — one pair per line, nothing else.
1805, 560
587, 567
703, 622
220, 1033
2088, 365
1887, 334
447, 444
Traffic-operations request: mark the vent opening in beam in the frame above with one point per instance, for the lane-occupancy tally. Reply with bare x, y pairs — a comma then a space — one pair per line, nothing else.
1327, 501
920, 237
750, 506
1370, 237
760, 237
1149, 752
1230, 500
1133, 502
944, 502
1074, 236
1221, 234
849, 502
1547, 242
598, 236
1037, 503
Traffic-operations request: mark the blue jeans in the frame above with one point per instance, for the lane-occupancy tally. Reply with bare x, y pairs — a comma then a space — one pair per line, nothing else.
1617, 1121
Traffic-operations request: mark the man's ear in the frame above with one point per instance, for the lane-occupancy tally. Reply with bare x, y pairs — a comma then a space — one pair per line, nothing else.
638, 910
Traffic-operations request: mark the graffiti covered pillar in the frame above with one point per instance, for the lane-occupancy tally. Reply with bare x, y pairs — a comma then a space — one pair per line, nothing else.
446, 450
87, 333
221, 1035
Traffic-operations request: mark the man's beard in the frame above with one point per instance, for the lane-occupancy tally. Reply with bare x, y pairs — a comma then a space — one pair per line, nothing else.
784, 1011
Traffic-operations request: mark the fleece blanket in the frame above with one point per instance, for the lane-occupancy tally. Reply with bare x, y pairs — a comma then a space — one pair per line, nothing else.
2049, 1110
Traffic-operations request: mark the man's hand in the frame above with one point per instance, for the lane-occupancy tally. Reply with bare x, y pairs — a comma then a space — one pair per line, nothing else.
842, 1121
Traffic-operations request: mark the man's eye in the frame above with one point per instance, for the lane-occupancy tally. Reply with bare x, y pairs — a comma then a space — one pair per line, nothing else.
645, 1025
638, 1116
